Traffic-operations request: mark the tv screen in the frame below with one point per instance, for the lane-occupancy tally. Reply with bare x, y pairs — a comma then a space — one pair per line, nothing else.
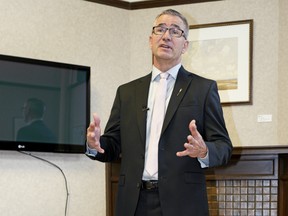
45, 106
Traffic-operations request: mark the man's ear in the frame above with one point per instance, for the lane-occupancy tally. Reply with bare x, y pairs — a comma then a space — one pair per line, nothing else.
185, 46
150, 41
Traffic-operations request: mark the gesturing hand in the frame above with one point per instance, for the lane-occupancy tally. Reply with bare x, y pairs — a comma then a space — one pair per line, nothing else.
93, 134
195, 147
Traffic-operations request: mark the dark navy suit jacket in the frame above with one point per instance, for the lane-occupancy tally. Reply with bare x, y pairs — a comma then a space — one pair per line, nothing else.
37, 131
181, 180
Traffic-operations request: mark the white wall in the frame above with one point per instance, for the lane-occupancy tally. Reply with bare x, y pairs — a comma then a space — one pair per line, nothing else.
114, 42
283, 69
70, 31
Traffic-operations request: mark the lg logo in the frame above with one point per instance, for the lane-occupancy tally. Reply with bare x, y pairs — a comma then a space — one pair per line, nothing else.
21, 146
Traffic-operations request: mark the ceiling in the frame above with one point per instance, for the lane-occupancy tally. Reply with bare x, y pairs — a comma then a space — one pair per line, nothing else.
136, 0
141, 4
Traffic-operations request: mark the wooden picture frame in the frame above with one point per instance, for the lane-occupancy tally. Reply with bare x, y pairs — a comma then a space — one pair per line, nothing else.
223, 52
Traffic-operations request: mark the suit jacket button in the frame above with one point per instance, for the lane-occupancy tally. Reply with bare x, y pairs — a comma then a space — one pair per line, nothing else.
138, 185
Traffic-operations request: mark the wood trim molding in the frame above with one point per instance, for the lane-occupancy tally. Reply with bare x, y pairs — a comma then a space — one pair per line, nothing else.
251, 163
114, 3
246, 167
147, 4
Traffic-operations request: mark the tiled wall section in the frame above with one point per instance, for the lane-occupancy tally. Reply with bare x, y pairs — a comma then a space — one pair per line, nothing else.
243, 197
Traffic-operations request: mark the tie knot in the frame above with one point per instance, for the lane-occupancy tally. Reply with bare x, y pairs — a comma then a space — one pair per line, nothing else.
164, 75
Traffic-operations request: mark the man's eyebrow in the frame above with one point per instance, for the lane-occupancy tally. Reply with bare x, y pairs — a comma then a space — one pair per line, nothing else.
164, 24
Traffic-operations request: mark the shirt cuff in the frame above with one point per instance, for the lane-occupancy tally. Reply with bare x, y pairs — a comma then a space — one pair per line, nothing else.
90, 152
204, 162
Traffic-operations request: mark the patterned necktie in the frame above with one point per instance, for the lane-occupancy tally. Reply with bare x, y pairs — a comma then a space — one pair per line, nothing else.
156, 125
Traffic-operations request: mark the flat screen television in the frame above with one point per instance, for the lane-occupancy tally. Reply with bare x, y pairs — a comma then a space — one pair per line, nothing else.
45, 106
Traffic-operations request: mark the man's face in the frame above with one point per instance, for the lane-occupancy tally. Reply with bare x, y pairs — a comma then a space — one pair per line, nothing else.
166, 48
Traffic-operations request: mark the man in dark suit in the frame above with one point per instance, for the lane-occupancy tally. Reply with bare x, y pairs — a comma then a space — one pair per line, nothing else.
177, 187
35, 129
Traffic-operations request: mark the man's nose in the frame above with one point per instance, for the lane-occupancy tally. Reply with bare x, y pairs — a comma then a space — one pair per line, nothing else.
166, 35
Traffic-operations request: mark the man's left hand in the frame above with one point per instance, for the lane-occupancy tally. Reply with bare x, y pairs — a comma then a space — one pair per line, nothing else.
195, 147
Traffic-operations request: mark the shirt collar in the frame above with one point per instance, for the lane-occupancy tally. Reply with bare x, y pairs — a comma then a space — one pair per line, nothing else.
172, 71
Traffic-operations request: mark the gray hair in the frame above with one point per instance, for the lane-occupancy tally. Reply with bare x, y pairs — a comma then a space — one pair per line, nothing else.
176, 13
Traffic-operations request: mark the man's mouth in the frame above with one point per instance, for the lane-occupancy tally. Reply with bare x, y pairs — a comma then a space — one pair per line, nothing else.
165, 46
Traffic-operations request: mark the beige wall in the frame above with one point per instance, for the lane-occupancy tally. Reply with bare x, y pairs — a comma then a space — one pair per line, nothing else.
70, 31
283, 73
114, 42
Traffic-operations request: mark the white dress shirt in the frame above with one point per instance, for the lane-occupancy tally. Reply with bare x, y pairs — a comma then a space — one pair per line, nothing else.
173, 72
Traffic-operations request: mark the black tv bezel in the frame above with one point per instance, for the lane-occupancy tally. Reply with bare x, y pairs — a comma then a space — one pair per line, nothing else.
49, 147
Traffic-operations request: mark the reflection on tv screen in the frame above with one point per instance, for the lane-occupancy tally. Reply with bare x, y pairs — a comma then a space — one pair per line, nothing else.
43, 104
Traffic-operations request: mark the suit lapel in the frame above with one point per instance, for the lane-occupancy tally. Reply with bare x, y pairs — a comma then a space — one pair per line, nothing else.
181, 85
141, 94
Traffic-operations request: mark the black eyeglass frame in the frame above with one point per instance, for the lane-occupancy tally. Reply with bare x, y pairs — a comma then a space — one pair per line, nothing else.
166, 28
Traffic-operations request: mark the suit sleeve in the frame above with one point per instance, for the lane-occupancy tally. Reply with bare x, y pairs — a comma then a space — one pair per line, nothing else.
111, 139
215, 133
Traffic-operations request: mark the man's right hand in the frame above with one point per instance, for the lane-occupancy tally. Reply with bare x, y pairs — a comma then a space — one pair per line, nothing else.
93, 134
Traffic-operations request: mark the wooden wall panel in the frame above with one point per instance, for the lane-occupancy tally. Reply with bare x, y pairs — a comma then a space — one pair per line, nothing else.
250, 163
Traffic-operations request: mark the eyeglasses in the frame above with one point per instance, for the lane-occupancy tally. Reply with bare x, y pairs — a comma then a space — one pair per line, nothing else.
174, 32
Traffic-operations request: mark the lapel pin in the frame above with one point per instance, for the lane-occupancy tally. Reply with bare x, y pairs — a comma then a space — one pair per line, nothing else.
180, 90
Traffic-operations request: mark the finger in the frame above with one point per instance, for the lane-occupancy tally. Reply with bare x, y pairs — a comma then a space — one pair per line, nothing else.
190, 150
91, 127
99, 149
182, 153
96, 119
191, 139
193, 129
95, 134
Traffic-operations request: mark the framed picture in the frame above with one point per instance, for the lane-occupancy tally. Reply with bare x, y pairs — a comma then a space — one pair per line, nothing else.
223, 52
